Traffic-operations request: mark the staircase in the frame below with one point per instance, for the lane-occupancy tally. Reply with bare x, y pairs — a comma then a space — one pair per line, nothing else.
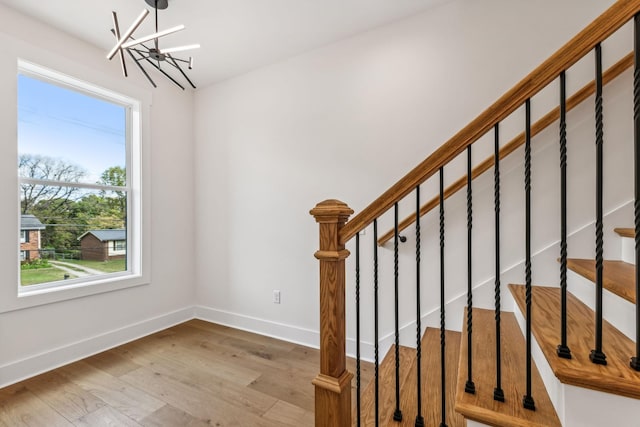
554, 354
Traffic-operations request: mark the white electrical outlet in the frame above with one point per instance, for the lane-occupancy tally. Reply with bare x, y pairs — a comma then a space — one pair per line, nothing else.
276, 296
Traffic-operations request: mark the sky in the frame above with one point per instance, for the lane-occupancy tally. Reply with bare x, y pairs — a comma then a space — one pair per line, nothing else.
71, 126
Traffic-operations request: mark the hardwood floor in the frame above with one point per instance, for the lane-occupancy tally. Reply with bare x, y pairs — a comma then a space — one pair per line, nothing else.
193, 374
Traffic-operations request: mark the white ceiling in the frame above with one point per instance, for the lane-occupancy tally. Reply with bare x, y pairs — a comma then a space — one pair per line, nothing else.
236, 35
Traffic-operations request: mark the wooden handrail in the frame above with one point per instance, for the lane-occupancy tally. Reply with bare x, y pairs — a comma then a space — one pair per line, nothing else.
596, 32
546, 121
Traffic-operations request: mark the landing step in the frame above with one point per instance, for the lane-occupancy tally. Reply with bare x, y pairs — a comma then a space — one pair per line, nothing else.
481, 406
431, 379
617, 276
616, 377
386, 388
625, 232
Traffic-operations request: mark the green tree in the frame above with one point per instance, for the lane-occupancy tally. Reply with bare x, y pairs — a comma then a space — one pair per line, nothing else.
115, 176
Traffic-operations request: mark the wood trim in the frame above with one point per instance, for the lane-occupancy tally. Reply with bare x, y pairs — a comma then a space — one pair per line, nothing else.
616, 377
625, 232
552, 116
601, 28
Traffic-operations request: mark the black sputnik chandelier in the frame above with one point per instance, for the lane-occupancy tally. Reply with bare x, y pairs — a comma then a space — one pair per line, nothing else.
146, 50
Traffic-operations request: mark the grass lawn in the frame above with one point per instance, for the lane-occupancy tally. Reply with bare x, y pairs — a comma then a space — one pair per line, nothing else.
41, 275
106, 266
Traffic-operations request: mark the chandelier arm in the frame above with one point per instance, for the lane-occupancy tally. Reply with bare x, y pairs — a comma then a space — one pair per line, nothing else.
155, 35
165, 74
127, 34
142, 69
173, 61
116, 32
142, 57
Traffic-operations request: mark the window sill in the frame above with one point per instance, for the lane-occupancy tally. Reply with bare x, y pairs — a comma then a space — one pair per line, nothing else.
26, 298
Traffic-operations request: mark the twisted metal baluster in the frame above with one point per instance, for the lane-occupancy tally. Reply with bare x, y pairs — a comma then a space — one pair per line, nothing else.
358, 383
597, 356
527, 400
498, 393
419, 419
635, 360
397, 414
562, 349
443, 395
469, 386
375, 308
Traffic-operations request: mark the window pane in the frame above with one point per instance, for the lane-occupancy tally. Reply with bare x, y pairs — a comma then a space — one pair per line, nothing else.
68, 136
81, 228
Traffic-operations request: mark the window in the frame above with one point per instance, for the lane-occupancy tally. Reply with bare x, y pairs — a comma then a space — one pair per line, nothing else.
78, 161
23, 236
23, 255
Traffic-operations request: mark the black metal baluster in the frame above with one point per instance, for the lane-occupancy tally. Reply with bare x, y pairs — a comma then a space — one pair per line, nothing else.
375, 308
635, 360
443, 395
562, 349
498, 393
527, 400
419, 418
469, 386
397, 415
597, 355
358, 384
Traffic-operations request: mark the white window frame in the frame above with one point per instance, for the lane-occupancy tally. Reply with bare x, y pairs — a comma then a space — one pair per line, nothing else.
23, 236
135, 264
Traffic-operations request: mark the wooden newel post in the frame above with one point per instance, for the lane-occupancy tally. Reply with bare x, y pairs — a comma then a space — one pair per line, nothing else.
333, 383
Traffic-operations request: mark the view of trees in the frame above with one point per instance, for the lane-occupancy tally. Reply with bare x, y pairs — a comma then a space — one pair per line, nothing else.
65, 210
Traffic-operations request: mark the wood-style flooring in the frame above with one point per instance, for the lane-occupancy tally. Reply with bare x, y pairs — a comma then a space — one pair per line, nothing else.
191, 375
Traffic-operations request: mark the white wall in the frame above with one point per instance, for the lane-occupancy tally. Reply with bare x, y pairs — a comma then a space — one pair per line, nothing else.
346, 121
41, 337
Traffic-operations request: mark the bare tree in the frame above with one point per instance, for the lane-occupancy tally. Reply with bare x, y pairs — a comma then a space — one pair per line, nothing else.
50, 169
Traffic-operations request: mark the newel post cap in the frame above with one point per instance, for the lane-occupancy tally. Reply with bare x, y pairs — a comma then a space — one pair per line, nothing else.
331, 211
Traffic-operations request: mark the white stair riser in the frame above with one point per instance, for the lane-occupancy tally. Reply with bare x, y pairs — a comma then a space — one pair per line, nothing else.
628, 253
616, 310
471, 423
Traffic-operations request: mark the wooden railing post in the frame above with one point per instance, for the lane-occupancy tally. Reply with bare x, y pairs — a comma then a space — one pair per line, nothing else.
333, 383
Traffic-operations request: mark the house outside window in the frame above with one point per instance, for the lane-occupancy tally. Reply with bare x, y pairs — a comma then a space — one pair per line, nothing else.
30, 230
78, 166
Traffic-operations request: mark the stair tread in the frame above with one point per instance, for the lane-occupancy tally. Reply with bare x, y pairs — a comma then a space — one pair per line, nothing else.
430, 379
481, 406
625, 232
386, 386
616, 377
617, 276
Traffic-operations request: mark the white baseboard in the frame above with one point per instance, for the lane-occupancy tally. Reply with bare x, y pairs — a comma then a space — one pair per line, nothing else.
34, 365
281, 331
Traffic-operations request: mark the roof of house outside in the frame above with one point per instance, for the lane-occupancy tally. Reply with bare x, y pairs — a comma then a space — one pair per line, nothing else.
107, 235
30, 222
